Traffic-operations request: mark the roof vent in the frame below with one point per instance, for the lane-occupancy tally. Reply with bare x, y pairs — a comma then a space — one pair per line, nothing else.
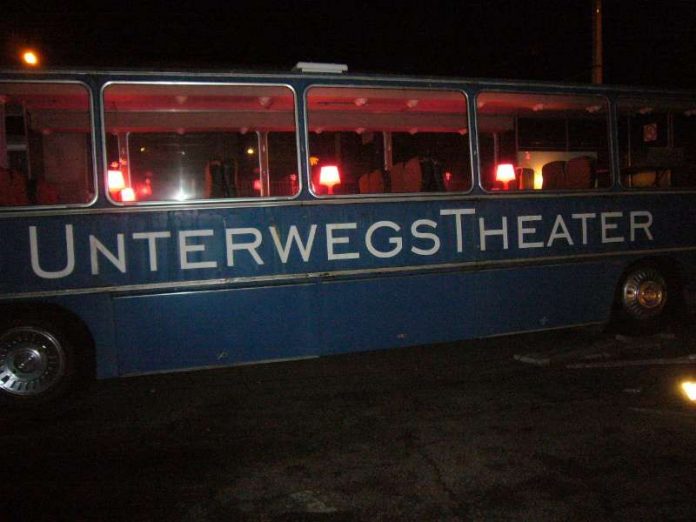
314, 67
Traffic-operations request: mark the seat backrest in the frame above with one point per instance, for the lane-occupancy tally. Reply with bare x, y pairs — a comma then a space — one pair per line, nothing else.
580, 173
640, 178
372, 182
364, 183
554, 175
664, 178
413, 176
377, 185
525, 178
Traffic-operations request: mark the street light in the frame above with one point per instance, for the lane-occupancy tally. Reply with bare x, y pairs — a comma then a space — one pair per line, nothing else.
30, 58
689, 389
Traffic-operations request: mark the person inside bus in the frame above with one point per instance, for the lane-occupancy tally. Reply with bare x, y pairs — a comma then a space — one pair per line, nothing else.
220, 179
420, 173
432, 173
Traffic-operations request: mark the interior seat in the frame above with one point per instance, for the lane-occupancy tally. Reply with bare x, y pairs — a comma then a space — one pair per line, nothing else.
580, 173
372, 182
525, 178
554, 175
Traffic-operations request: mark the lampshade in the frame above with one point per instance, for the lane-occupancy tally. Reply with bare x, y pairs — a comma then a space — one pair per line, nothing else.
329, 176
505, 172
115, 180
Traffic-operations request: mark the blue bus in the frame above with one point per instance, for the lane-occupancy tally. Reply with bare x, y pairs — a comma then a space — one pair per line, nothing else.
154, 222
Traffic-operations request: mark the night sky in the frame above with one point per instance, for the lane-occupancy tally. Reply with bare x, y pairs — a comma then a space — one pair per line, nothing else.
645, 43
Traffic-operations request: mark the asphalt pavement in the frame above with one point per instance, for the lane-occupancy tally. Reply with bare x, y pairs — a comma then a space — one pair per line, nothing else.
532, 427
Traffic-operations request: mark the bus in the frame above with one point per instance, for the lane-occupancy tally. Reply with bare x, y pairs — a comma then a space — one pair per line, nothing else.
168, 221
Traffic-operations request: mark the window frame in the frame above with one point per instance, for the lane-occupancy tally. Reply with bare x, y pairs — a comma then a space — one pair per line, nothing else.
391, 195
199, 202
655, 97
93, 142
531, 193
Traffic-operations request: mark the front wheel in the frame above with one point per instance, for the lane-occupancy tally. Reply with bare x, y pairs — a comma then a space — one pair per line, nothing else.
36, 363
643, 300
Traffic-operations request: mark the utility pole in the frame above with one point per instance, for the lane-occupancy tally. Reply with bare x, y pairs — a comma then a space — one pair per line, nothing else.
597, 66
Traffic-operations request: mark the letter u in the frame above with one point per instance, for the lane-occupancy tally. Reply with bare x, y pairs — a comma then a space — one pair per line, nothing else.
69, 249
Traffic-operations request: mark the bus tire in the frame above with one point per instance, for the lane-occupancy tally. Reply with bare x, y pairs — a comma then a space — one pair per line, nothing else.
643, 299
37, 363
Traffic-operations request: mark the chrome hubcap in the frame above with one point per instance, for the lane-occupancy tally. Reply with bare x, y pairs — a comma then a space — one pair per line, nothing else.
644, 293
31, 361
650, 294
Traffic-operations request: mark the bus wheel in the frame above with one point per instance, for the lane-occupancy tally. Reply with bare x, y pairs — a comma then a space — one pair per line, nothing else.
36, 363
643, 300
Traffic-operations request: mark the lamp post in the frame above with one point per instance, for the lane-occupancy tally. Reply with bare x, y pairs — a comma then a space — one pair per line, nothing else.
597, 66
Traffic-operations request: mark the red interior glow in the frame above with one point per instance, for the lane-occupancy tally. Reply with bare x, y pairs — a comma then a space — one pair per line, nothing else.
145, 189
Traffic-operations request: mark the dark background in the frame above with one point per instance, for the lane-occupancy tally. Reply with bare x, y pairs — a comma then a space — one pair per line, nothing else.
645, 42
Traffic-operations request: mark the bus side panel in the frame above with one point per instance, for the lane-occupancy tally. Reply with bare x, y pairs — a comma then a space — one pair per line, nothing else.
400, 311
219, 328
214, 328
96, 312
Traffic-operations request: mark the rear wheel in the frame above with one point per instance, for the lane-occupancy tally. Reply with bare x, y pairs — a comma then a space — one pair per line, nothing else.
37, 363
643, 300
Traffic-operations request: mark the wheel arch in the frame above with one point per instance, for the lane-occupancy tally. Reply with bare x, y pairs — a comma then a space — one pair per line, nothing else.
71, 324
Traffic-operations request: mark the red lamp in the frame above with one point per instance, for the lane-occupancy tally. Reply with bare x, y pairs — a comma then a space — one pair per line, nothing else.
127, 194
505, 173
329, 176
115, 180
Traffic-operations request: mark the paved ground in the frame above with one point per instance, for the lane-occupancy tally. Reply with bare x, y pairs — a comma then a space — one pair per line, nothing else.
452, 432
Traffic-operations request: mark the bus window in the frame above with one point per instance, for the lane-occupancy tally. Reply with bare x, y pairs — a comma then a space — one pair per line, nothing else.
45, 144
377, 141
657, 143
199, 142
543, 142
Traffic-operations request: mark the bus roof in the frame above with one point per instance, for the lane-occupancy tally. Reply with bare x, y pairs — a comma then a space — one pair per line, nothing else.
323, 72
